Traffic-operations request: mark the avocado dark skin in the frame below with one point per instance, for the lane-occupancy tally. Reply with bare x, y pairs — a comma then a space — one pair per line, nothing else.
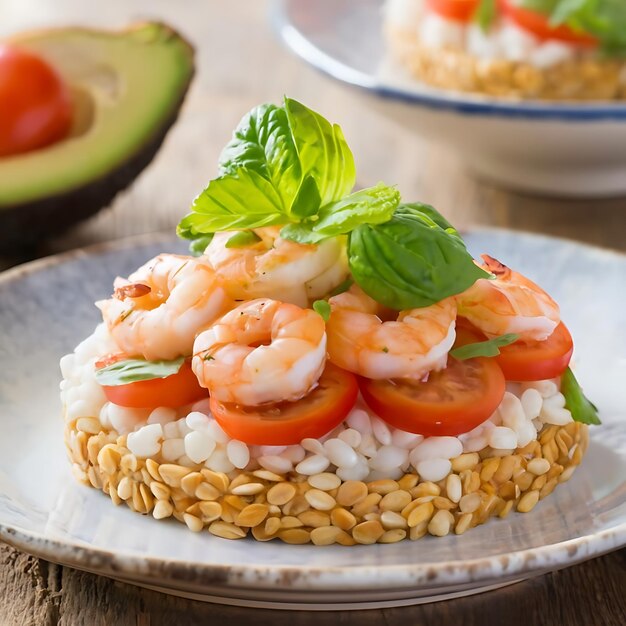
25, 226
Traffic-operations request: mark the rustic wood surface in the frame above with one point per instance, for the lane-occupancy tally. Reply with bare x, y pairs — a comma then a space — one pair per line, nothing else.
240, 63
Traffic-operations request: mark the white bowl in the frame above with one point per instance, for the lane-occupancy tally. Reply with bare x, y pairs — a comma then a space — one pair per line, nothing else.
566, 149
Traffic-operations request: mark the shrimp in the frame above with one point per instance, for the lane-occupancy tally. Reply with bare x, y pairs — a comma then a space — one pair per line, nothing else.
278, 268
159, 309
410, 346
263, 351
509, 304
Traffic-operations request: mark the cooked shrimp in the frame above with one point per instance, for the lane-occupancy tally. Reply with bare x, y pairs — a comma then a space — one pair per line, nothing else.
410, 346
159, 309
509, 304
277, 268
262, 351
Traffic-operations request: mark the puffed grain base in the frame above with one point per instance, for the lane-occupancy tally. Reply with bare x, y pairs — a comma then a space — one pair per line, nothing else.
579, 79
269, 506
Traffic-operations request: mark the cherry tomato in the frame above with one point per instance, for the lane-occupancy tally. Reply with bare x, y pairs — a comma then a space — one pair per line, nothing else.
35, 103
288, 423
173, 391
538, 24
526, 360
452, 401
537, 360
458, 10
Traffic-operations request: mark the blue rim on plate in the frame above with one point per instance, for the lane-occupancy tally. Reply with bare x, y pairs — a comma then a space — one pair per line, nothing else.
311, 30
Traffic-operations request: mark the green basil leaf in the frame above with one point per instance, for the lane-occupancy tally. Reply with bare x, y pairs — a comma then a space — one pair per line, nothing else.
603, 19
323, 151
410, 261
234, 202
134, 370
199, 245
242, 239
485, 14
374, 205
262, 142
488, 348
307, 201
322, 308
582, 409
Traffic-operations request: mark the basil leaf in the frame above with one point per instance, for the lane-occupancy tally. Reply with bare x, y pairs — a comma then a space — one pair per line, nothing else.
603, 19
234, 202
322, 308
281, 165
582, 409
411, 261
242, 239
263, 143
199, 245
374, 205
134, 370
487, 348
485, 14
322, 150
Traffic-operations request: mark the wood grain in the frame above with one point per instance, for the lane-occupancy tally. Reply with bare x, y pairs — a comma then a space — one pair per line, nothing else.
36, 593
240, 64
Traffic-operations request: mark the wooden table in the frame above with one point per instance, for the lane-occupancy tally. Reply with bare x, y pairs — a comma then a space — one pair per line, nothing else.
240, 63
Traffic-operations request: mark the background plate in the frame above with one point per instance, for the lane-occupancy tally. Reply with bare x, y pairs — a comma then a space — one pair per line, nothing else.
46, 308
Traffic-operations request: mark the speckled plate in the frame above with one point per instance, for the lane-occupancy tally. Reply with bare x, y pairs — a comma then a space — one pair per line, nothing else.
46, 308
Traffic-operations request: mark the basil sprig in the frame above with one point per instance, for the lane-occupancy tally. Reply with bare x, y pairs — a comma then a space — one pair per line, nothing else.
287, 165
581, 408
603, 19
283, 164
414, 260
134, 370
488, 348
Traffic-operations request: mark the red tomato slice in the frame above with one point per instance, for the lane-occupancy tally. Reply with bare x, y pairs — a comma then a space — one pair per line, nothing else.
537, 360
35, 103
458, 10
174, 391
289, 422
450, 402
538, 24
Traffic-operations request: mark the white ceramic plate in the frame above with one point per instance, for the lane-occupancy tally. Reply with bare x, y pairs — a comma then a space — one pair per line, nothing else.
47, 307
557, 148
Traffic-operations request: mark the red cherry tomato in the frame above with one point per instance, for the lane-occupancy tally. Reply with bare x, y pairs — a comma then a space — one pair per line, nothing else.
539, 25
452, 401
173, 391
526, 360
35, 104
458, 10
537, 360
289, 422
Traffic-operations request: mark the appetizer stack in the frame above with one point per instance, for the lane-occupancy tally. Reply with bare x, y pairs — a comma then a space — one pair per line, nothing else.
553, 49
329, 366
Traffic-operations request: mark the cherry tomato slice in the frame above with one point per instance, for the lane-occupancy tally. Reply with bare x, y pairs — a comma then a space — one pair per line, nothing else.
173, 391
35, 103
457, 10
537, 360
452, 401
539, 25
288, 423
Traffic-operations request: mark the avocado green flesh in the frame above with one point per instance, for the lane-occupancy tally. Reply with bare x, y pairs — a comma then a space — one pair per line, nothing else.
134, 80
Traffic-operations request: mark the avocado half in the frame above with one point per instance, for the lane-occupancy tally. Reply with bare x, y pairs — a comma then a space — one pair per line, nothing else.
127, 89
